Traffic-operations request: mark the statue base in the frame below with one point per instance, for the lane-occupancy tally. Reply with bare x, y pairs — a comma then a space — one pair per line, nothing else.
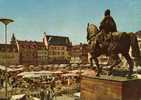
110, 88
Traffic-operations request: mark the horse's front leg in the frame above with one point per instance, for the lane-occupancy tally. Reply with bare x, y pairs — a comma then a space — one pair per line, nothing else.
131, 64
98, 67
115, 61
90, 57
91, 62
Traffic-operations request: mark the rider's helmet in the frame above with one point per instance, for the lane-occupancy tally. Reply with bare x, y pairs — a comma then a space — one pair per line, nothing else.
107, 12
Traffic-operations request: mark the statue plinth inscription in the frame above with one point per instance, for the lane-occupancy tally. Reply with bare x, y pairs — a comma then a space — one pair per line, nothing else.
110, 88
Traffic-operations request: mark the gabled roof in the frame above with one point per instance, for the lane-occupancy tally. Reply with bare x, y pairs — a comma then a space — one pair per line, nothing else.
58, 40
31, 44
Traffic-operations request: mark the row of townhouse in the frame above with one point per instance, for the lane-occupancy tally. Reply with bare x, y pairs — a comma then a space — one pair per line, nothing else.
79, 53
52, 50
8, 54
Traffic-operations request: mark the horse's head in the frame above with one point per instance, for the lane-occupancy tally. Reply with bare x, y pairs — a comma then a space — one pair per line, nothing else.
92, 30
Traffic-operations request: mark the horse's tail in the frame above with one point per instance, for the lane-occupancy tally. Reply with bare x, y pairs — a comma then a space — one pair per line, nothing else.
134, 46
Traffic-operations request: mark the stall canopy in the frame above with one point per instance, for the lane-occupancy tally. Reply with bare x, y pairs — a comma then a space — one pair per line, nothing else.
10, 69
70, 74
35, 74
3, 68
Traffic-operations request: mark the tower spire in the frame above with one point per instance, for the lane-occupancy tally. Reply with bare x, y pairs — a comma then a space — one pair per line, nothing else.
13, 39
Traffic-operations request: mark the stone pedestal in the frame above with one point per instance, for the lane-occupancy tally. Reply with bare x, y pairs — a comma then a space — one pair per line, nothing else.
110, 88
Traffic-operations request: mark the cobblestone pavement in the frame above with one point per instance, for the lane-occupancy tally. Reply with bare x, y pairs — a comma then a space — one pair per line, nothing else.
64, 97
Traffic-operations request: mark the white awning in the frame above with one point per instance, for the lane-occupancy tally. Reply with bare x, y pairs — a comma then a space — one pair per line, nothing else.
17, 97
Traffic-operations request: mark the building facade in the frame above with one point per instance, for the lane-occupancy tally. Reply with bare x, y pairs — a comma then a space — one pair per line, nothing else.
85, 50
8, 55
27, 52
57, 47
30, 52
79, 53
42, 53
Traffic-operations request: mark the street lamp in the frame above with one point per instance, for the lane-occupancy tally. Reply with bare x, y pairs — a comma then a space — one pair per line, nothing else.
6, 21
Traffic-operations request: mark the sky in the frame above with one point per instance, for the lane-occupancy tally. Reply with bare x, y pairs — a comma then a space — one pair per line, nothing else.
65, 17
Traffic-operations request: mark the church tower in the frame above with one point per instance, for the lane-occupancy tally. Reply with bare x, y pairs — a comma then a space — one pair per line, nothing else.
13, 39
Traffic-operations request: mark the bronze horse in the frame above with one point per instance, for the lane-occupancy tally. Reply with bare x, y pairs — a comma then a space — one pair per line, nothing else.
115, 43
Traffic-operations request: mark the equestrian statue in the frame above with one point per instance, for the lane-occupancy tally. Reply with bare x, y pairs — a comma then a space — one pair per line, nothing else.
107, 41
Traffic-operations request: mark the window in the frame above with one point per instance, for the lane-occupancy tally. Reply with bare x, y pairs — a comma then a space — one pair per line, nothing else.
62, 48
62, 53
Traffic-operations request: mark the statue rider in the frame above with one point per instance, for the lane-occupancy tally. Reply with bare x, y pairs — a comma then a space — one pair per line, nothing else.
107, 26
